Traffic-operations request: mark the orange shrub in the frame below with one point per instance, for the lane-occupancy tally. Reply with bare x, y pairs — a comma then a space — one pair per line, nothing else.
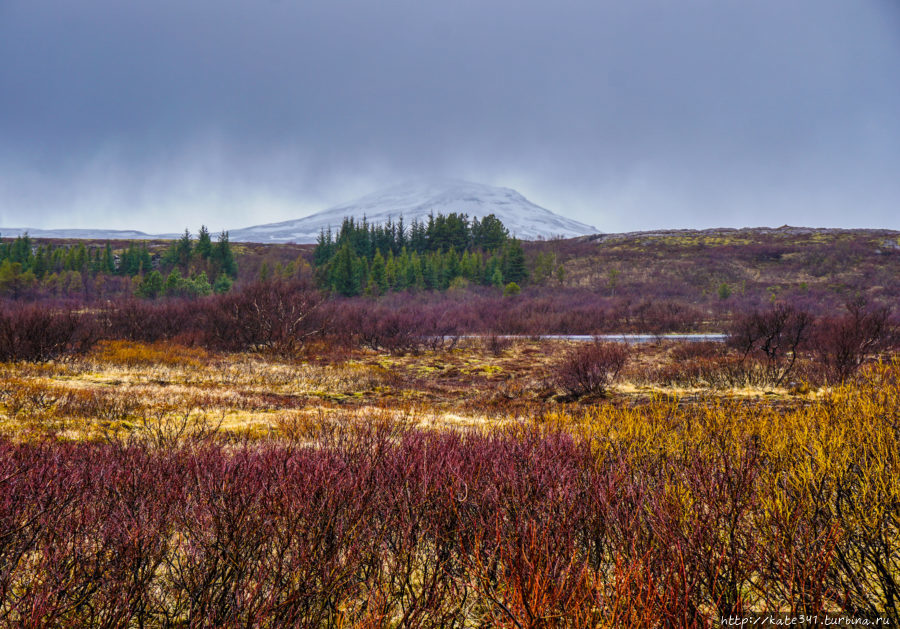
131, 354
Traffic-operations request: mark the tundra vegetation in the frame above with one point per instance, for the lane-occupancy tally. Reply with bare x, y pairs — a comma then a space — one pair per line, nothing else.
281, 455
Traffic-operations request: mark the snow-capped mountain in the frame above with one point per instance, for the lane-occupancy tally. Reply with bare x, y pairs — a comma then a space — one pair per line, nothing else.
416, 200
412, 201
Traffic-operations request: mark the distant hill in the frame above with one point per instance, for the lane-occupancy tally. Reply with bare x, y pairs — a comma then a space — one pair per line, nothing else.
84, 234
416, 200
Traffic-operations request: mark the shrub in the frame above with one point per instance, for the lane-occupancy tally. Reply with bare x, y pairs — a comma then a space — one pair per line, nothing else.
496, 344
41, 333
844, 343
723, 371
276, 316
131, 354
511, 290
438, 329
688, 350
591, 368
137, 320
397, 331
777, 334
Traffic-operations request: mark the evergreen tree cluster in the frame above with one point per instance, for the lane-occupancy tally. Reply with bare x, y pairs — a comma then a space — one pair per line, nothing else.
374, 259
175, 285
184, 270
192, 265
203, 255
25, 264
44, 259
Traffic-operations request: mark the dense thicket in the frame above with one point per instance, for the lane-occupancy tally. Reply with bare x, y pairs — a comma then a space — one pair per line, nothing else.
288, 317
375, 259
658, 516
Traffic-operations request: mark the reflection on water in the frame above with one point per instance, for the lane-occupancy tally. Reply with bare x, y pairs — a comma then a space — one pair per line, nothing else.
634, 339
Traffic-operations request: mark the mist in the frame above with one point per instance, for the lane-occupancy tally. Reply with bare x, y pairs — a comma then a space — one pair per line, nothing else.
650, 115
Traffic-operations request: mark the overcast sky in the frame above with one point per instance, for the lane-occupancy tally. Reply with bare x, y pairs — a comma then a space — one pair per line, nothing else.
162, 114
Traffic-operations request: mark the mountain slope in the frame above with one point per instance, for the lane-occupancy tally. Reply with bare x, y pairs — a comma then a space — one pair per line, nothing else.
416, 200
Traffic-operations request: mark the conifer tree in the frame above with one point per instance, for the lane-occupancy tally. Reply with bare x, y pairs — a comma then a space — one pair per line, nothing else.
344, 276
427, 255
20, 250
222, 257
390, 272
415, 277
513, 264
400, 241
200, 285
173, 283
151, 286
430, 270
222, 284
377, 273
203, 247
107, 264
39, 265
324, 250
489, 234
183, 250
81, 257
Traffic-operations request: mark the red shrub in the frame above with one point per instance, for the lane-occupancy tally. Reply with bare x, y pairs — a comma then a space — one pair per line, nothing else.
149, 322
591, 368
844, 343
777, 334
44, 332
276, 316
397, 331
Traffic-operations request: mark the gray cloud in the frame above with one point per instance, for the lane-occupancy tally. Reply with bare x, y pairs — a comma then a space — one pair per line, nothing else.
633, 115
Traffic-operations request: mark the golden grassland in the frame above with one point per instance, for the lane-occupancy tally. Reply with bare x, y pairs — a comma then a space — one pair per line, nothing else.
121, 386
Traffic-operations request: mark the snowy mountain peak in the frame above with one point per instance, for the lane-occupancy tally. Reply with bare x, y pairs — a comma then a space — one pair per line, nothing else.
415, 200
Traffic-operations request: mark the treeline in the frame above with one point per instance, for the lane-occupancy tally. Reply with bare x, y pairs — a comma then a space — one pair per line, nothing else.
443, 252
60, 269
86, 271
43, 259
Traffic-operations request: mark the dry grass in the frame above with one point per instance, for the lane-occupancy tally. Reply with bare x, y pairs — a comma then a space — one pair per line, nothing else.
122, 386
130, 354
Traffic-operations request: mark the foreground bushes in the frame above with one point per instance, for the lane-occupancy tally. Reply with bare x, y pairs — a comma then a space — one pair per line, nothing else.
657, 516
